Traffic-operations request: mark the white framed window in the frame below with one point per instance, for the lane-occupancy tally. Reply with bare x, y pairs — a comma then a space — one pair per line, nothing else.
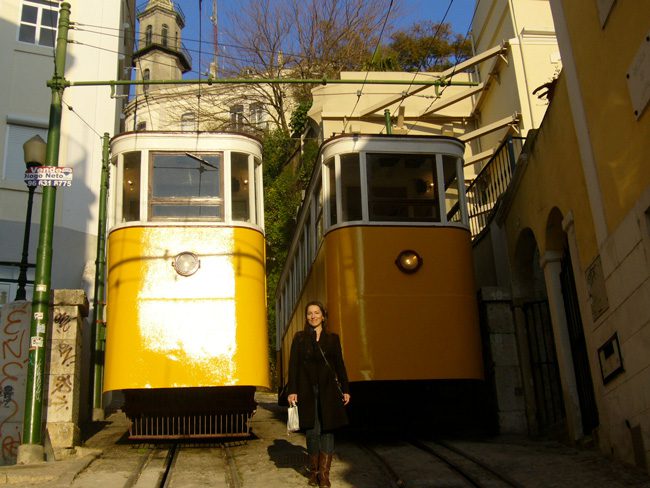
237, 117
38, 22
257, 114
13, 168
188, 121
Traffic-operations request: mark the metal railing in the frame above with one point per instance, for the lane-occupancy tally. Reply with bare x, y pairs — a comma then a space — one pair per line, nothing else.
176, 5
491, 183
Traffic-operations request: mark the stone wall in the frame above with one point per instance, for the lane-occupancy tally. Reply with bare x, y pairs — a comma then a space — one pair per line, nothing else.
63, 370
14, 356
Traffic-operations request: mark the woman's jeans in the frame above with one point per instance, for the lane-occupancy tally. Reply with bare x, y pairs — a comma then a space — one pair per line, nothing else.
318, 441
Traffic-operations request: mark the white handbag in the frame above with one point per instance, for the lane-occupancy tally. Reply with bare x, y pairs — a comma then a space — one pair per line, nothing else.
293, 422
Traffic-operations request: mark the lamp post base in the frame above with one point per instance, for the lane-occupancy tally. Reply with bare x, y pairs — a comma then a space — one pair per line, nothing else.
30, 454
98, 415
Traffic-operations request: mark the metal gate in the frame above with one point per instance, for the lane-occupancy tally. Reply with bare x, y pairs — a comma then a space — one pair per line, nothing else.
544, 367
584, 384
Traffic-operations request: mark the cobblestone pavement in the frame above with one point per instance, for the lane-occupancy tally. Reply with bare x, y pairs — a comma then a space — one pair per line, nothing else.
273, 459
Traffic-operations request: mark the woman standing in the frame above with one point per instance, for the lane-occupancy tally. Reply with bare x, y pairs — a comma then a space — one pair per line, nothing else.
317, 378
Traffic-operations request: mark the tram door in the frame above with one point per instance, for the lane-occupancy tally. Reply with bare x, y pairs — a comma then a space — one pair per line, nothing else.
549, 402
588, 409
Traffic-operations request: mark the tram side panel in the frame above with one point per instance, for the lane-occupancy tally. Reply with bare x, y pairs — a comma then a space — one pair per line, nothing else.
169, 331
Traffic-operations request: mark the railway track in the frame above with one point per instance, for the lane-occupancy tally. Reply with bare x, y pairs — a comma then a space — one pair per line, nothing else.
165, 466
416, 463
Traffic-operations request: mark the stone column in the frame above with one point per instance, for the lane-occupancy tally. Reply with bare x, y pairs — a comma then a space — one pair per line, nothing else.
551, 264
64, 368
498, 323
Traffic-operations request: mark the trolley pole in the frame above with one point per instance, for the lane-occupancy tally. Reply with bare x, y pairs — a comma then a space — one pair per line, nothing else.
31, 449
389, 124
99, 330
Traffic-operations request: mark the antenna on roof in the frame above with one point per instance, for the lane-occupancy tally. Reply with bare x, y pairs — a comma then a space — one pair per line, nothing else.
214, 65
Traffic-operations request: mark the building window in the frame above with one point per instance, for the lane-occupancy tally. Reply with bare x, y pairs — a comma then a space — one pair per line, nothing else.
141, 126
188, 121
38, 22
148, 33
257, 114
237, 117
163, 35
13, 168
146, 76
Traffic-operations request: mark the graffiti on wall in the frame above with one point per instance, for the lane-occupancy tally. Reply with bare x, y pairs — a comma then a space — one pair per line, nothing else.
14, 357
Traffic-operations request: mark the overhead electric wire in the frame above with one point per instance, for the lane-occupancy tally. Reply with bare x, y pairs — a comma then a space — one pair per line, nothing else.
71, 109
360, 91
440, 24
469, 29
144, 91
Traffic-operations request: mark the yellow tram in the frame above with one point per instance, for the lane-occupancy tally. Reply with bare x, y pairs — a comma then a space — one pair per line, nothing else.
187, 339
383, 240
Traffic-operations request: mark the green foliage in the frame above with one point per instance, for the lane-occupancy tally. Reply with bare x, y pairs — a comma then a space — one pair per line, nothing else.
281, 198
427, 46
299, 118
286, 174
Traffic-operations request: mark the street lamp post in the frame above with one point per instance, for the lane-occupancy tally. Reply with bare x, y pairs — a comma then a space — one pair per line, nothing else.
34, 150
31, 450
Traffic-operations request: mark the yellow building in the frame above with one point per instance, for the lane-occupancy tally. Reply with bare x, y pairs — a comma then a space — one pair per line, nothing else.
575, 223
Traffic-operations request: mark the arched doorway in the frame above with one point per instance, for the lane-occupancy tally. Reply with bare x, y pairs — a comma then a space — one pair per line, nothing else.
556, 240
546, 407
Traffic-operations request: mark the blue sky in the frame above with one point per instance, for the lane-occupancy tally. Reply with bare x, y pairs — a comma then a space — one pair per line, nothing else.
459, 15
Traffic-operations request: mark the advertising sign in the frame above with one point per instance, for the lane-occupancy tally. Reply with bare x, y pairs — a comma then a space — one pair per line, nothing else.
48, 176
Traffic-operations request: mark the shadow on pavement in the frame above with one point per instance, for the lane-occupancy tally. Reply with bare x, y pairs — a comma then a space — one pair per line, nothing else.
287, 455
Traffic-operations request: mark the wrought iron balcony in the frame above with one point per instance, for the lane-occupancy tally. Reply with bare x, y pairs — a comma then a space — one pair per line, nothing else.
493, 180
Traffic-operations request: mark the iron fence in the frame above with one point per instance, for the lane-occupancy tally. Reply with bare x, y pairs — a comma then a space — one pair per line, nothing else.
491, 183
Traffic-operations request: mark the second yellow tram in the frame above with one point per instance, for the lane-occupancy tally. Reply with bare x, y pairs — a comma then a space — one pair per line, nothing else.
383, 241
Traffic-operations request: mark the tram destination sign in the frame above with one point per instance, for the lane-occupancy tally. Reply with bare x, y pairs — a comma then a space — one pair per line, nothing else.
48, 176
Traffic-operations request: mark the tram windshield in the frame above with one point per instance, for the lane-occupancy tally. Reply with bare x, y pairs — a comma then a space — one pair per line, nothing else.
186, 186
402, 187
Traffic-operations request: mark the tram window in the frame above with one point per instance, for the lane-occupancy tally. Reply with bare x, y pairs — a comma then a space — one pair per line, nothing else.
308, 239
331, 171
402, 187
241, 187
319, 212
131, 187
350, 187
186, 187
452, 198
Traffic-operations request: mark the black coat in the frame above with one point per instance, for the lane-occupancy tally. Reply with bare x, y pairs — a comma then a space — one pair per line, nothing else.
331, 403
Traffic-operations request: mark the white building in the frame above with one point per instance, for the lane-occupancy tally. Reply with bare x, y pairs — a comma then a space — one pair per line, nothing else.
102, 43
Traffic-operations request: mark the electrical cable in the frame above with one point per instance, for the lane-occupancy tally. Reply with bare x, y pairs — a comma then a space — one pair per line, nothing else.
360, 92
469, 28
71, 109
435, 35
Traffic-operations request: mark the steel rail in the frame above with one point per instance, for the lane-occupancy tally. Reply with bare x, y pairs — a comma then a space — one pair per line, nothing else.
456, 467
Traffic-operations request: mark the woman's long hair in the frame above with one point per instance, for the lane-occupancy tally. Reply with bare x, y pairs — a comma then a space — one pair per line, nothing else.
309, 342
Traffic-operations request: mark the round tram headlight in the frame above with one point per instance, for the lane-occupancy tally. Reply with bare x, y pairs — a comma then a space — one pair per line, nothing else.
186, 263
408, 261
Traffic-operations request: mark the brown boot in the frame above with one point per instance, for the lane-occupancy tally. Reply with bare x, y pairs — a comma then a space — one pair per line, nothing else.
313, 470
324, 463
